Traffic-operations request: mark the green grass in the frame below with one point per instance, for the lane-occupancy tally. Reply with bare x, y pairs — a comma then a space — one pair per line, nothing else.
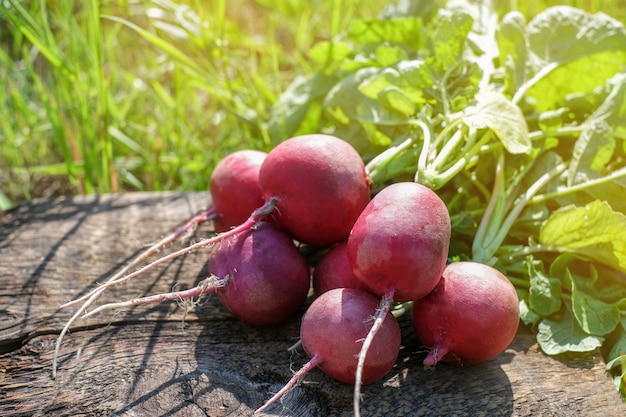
112, 95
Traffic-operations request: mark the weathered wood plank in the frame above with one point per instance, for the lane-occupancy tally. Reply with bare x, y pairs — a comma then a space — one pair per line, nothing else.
147, 361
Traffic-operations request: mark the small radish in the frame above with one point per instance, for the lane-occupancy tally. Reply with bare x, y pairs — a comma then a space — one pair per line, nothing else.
268, 277
400, 241
331, 333
333, 270
320, 185
471, 316
398, 247
259, 276
235, 189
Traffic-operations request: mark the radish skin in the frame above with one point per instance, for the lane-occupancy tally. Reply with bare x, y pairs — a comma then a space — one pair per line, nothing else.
235, 189
321, 187
333, 270
471, 316
268, 278
331, 333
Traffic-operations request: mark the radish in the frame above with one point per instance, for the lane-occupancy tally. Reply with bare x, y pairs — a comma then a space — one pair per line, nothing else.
333, 270
235, 188
331, 333
320, 185
398, 247
269, 279
471, 316
259, 276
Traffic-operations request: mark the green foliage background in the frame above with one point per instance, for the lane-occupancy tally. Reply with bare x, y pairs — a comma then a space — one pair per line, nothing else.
89, 104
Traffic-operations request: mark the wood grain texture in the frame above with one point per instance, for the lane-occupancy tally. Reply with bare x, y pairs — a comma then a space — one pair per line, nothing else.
164, 360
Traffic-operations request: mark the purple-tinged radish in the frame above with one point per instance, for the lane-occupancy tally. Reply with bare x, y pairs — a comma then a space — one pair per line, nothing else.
471, 316
398, 247
259, 276
268, 277
333, 270
331, 333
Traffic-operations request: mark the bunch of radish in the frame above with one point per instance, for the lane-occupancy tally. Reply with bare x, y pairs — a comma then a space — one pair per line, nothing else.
314, 191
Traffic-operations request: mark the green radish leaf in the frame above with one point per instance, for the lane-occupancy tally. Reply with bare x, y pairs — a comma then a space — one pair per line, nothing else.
409, 77
327, 53
595, 231
447, 34
593, 315
527, 315
620, 380
387, 55
592, 152
393, 98
295, 109
619, 348
603, 282
345, 102
572, 51
564, 33
565, 335
494, 111
613, 108
545, 292
513, 49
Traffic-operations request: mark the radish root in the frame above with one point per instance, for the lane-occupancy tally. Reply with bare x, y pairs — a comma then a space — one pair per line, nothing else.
118, 278
207, 286
312, 363
381, 313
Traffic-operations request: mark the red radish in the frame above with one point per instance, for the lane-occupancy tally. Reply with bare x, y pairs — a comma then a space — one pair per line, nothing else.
471, 316
399, 247
269, 279
259, 276
400, 241
235, 188
320, 185
331, 333
333, 270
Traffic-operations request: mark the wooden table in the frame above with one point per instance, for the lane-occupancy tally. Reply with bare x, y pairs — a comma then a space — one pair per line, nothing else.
163, 360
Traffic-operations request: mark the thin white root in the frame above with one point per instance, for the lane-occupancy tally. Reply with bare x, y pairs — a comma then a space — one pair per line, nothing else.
379, 317
207, 286
295, 346
312, 363
93, 295
185, 229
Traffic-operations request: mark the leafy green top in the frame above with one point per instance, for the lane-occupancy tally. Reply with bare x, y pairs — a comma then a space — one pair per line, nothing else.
521, 128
